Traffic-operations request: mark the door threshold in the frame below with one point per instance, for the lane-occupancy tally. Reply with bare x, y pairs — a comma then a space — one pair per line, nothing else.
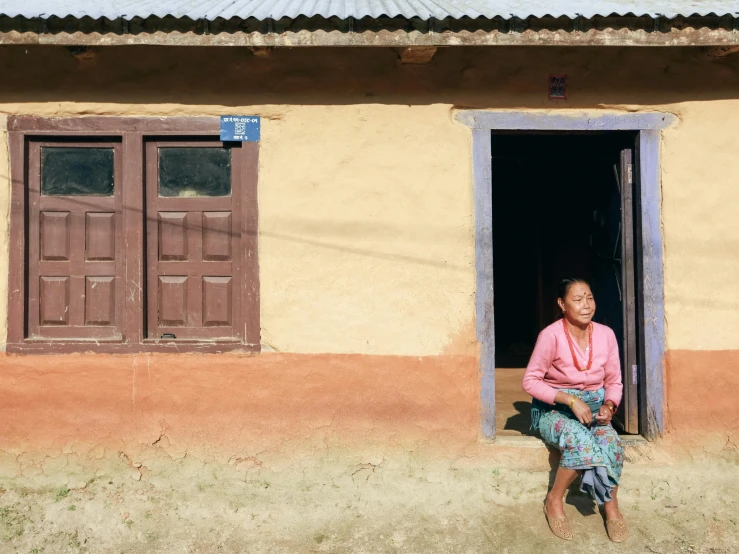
633, 440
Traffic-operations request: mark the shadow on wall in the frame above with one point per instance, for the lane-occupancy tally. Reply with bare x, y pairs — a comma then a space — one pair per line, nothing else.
338, 230
490, 77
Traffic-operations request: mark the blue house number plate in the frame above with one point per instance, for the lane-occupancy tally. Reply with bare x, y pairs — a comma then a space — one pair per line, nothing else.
240, 128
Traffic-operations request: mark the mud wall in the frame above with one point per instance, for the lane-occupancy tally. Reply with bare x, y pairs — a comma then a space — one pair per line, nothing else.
366, 246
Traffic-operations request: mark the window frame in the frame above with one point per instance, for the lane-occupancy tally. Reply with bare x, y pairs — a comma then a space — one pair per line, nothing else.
134, 134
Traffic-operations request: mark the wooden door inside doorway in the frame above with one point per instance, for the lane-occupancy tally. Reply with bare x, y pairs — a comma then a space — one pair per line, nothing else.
613, 241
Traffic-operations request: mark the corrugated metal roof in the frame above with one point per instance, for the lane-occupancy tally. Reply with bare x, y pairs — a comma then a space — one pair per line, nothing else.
424, 9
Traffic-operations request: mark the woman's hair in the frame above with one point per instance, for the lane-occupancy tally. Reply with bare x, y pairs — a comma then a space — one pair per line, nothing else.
566, 284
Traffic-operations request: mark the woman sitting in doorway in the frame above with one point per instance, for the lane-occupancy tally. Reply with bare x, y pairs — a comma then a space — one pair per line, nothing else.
574, 376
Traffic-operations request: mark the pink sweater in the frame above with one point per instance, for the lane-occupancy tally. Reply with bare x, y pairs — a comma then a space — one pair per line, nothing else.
551, 367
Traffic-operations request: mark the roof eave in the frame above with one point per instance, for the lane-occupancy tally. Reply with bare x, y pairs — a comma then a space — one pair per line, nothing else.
392, 32
675, 38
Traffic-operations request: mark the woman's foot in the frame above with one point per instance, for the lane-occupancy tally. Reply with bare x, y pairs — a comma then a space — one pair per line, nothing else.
615, 524
612, 512
617, 530
558, 523
554, 506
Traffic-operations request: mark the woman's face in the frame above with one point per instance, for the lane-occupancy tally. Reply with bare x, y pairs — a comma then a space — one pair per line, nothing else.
579, 305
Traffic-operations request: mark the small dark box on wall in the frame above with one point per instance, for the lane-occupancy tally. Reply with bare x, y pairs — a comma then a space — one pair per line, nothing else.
558, 87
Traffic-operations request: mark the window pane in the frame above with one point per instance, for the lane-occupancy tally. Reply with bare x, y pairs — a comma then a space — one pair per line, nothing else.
76, 171
188, 172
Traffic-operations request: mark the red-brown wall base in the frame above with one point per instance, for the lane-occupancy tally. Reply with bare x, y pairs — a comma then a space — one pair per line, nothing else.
76, 413
66, 411
703, 399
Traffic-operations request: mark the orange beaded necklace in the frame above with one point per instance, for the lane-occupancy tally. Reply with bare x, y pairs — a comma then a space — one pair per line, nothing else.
572, 346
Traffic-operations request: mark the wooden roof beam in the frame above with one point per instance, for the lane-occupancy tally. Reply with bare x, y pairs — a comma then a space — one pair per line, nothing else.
721, 51
417, 54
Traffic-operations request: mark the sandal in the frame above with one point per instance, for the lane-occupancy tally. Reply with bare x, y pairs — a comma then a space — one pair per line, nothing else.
617, 530
560, 526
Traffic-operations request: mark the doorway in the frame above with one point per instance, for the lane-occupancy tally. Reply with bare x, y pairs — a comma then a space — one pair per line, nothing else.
563, 205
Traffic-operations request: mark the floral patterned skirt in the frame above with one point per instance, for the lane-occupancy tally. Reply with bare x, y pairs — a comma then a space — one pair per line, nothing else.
596, 450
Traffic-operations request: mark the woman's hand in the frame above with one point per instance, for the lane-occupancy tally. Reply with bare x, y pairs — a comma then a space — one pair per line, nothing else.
582, 412
604, 415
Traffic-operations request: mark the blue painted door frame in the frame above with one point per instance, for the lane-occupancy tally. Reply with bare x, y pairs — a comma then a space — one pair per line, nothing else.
648, 127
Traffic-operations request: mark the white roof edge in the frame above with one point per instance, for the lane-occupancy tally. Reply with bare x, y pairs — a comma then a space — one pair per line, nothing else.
424, 9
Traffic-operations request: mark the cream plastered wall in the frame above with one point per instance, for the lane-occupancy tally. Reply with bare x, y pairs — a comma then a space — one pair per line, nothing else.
700, 207
366, 230
365, 186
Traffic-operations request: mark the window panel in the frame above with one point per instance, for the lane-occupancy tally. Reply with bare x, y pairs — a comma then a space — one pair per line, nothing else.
193, 222
74, 240
192, 172
76, 171
54, 231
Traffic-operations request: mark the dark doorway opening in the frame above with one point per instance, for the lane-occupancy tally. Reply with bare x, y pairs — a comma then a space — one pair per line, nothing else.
563, 205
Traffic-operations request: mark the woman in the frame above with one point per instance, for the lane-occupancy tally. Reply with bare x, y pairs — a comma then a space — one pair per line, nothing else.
574, 376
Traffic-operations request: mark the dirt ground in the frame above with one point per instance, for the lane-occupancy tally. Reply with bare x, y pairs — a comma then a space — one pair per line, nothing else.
385, 505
